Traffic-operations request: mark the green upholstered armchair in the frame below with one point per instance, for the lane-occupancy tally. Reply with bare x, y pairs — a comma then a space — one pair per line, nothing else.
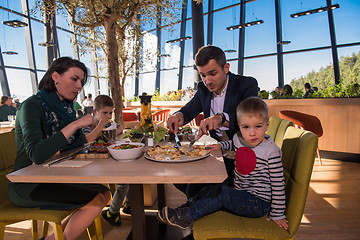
10, 214
277, 129
299, 150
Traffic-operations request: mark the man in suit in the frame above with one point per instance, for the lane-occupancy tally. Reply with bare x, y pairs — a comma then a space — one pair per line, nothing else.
218, 95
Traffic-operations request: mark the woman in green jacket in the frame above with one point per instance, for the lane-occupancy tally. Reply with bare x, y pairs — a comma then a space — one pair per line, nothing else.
46, 124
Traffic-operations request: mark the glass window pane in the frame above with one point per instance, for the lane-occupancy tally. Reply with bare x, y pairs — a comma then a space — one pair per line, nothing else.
224, 3
346, 27
233, 66
19, 83
12, 4
62, 20
188, 13
307, 31
149, 52
349, 73
147, 83
40, 51
263, 70
104, 86
65, 45
188, 55
13, 40
299, 65
260, 39
172, 49
188, 77
90, 87
129, 88
169, 81
222, 37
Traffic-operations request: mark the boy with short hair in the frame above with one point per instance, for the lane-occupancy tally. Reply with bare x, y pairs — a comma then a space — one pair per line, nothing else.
103, 109
259, 186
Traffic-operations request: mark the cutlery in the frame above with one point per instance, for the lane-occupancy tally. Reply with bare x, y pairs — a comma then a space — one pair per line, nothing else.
178, 144
67, 157
191, 142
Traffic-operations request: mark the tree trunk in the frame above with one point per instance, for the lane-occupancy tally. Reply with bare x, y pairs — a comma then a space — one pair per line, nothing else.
113, 69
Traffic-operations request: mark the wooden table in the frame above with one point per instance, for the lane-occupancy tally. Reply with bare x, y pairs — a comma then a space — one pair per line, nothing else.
135, 173
6, 126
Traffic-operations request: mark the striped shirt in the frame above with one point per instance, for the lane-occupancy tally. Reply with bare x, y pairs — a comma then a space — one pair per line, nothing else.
266, 181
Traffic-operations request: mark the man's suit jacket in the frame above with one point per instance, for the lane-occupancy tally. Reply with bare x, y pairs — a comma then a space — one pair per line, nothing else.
239, 88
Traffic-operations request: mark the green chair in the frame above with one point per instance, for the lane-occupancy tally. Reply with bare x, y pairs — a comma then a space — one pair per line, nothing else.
10, 214
299, 150
277, 129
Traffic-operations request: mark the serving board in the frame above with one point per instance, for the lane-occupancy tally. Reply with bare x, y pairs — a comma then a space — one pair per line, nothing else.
92, 155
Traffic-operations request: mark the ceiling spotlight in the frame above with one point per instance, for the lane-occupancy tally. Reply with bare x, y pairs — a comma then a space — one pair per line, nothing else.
15, 23
248, 24
178, 39
47, 44
230, 51
10, 53
317, 10
284, 42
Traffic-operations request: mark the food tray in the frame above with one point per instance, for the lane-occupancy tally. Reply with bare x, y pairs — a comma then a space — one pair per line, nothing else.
184, 158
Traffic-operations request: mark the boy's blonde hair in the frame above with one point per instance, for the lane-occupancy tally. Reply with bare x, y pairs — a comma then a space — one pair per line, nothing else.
253, 106
102, 101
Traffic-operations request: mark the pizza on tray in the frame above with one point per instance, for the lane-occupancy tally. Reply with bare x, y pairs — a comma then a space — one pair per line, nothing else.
168, 152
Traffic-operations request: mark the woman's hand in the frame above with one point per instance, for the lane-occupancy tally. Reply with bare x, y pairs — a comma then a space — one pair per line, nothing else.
86, 120
69, 130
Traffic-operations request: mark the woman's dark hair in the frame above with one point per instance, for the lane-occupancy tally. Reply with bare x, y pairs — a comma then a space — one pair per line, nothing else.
3, 99
60, 66
206, 53
287, 90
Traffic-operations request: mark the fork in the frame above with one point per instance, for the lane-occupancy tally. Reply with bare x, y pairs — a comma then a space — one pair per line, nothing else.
191, 142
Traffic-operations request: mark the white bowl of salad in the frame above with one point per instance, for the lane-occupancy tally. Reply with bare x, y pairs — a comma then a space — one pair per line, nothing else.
126, 151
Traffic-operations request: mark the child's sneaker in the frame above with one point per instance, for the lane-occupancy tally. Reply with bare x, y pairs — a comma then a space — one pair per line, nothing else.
177, 217
113, 219
127, 209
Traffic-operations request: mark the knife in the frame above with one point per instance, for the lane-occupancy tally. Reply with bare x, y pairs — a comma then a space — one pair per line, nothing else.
177, 140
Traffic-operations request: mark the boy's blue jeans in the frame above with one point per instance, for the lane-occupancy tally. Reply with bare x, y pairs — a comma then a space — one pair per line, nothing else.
220, 197
118, 198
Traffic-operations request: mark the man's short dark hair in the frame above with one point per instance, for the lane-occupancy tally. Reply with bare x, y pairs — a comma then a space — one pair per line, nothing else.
307, 85
206, 53
102, 101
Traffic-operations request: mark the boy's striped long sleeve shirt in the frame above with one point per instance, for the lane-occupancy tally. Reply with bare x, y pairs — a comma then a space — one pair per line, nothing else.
266, 181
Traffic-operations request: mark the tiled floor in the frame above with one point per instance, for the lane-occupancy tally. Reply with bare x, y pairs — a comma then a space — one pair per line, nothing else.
332, 210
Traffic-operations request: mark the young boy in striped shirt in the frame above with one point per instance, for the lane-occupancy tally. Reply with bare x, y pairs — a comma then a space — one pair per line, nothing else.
259, 186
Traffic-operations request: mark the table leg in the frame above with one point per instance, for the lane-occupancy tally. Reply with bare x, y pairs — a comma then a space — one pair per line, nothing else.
161, 196
137, 212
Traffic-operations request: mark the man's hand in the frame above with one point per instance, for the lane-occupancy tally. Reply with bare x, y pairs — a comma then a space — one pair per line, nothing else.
175, 121
210, 123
